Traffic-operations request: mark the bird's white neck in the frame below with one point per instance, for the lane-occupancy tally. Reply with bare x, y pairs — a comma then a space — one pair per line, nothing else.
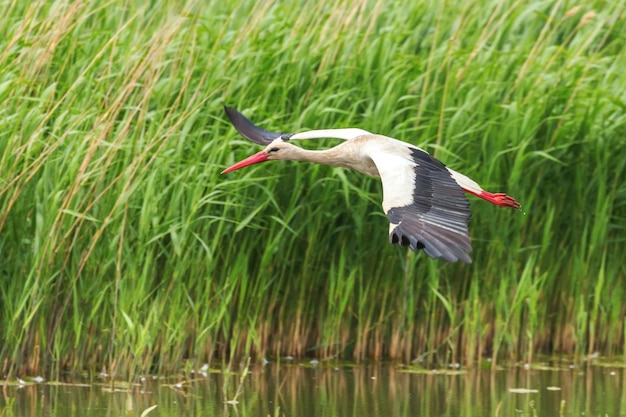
345, 155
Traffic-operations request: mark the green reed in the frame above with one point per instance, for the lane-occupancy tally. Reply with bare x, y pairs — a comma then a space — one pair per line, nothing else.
125, 250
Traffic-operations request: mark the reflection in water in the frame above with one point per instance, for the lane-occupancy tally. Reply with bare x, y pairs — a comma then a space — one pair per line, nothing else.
374, 390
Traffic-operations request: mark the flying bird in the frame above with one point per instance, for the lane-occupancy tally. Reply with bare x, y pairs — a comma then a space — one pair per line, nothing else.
423, 199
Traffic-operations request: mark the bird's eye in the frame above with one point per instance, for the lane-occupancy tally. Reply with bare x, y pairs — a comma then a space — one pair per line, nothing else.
274, 149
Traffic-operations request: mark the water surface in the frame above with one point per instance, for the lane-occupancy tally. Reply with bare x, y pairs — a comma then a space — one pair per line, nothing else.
363, 390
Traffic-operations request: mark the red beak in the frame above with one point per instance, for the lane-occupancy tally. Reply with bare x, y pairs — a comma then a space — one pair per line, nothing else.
257, 158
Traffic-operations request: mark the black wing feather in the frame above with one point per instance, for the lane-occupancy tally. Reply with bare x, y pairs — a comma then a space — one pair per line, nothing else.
249, 130
437, 219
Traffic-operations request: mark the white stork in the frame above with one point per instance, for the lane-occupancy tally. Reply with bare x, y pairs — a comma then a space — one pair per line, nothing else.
422, 198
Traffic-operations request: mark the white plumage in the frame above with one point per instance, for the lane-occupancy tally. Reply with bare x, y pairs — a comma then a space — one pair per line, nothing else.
422, 198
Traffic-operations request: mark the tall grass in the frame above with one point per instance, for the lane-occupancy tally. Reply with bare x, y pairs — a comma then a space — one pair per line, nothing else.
124, 250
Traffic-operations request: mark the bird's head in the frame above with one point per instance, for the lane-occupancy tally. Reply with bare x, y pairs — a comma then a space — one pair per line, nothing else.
276, 151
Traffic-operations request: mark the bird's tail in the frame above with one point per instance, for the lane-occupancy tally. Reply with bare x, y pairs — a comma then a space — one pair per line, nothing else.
470, 186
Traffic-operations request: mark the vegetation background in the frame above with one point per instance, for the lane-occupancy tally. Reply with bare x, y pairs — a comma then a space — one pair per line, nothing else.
124, 250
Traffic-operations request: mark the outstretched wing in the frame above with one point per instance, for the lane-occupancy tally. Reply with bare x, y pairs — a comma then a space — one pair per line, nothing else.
260, 136
427, 209
249, 130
